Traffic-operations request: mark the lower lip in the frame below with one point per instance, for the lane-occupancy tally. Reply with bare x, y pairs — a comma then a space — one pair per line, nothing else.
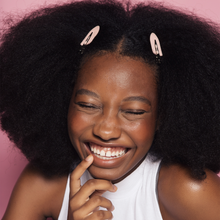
107, 163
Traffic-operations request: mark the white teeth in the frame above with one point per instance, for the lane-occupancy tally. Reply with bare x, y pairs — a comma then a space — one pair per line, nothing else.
102, 153
103, 158
107, 153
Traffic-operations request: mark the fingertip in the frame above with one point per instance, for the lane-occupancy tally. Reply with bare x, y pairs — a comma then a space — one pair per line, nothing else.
89, 158
114, 188
111, 209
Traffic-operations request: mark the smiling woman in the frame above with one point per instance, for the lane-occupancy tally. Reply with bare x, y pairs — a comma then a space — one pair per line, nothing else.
111, 109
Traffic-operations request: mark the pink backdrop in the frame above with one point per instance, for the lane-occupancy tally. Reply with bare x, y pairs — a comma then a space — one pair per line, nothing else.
11, 161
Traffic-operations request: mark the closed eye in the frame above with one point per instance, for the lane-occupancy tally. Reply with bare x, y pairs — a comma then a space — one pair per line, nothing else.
87, 105
135, 112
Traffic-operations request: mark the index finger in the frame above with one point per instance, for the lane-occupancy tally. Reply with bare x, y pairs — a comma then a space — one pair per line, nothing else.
75, 183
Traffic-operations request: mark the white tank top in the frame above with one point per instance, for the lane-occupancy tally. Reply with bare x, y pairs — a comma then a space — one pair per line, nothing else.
136, 197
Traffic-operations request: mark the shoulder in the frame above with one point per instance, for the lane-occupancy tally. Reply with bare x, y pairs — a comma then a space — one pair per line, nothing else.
183, 197
36, 196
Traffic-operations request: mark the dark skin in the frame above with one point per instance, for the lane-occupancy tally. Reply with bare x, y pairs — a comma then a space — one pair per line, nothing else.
124, 117
103, 111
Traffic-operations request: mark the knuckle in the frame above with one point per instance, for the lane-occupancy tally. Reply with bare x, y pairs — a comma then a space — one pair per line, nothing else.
97, 199
100, 214
91, 183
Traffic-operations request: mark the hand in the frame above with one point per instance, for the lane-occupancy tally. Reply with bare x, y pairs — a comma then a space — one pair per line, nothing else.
85, 201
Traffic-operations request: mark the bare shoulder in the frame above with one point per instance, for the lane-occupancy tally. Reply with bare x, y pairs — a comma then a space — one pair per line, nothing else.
182, 197
36, 196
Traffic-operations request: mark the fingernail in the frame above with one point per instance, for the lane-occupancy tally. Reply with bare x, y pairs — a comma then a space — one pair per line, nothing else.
89, 158
112, 208
115, 188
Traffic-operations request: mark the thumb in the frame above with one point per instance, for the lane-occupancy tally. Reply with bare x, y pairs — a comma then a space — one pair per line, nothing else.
75, 183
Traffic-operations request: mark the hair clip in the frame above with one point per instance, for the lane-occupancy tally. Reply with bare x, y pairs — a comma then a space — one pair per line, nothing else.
156, 48
89, 38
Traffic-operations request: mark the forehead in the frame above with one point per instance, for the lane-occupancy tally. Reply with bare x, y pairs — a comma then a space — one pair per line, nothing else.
116, 71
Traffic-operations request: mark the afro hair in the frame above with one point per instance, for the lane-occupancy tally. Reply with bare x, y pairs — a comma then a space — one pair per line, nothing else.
39, 61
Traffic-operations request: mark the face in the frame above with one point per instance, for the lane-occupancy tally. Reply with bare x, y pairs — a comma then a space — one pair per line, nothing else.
112, 114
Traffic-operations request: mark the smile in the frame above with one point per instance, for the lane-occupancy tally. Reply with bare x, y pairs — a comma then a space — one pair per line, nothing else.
107, 153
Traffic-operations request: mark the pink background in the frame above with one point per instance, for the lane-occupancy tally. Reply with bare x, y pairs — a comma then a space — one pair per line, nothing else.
11, 160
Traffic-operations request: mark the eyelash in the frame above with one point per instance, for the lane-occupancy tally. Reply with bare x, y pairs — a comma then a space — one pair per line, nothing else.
89, 106
135, 113
85, 105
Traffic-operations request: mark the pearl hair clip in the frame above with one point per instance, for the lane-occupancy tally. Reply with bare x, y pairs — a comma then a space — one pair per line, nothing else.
156, 48
89, 38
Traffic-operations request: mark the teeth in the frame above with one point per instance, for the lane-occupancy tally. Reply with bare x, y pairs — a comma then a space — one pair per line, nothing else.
102, 153
107, 153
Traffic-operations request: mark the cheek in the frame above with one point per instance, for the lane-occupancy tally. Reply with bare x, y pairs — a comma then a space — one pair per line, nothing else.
143, 132
78, 122
76, 125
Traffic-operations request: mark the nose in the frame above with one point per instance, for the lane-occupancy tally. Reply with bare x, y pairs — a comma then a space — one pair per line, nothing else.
107, 127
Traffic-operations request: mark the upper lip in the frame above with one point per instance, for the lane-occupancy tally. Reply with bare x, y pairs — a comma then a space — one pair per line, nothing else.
110, 144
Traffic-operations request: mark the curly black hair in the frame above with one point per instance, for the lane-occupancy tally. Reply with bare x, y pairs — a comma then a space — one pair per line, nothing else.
39, 61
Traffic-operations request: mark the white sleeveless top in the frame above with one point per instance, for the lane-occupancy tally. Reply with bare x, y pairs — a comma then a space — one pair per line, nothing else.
136, 197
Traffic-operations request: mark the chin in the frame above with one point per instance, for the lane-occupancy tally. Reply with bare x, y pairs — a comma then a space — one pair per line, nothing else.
107, 174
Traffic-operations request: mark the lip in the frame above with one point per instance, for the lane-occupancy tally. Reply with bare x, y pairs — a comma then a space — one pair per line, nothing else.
105, 163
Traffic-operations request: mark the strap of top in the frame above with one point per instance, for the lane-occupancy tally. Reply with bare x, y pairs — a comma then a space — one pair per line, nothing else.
64, 209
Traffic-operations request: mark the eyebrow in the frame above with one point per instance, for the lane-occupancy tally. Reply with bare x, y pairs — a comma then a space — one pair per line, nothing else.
86, 92
137, 98
131, 98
